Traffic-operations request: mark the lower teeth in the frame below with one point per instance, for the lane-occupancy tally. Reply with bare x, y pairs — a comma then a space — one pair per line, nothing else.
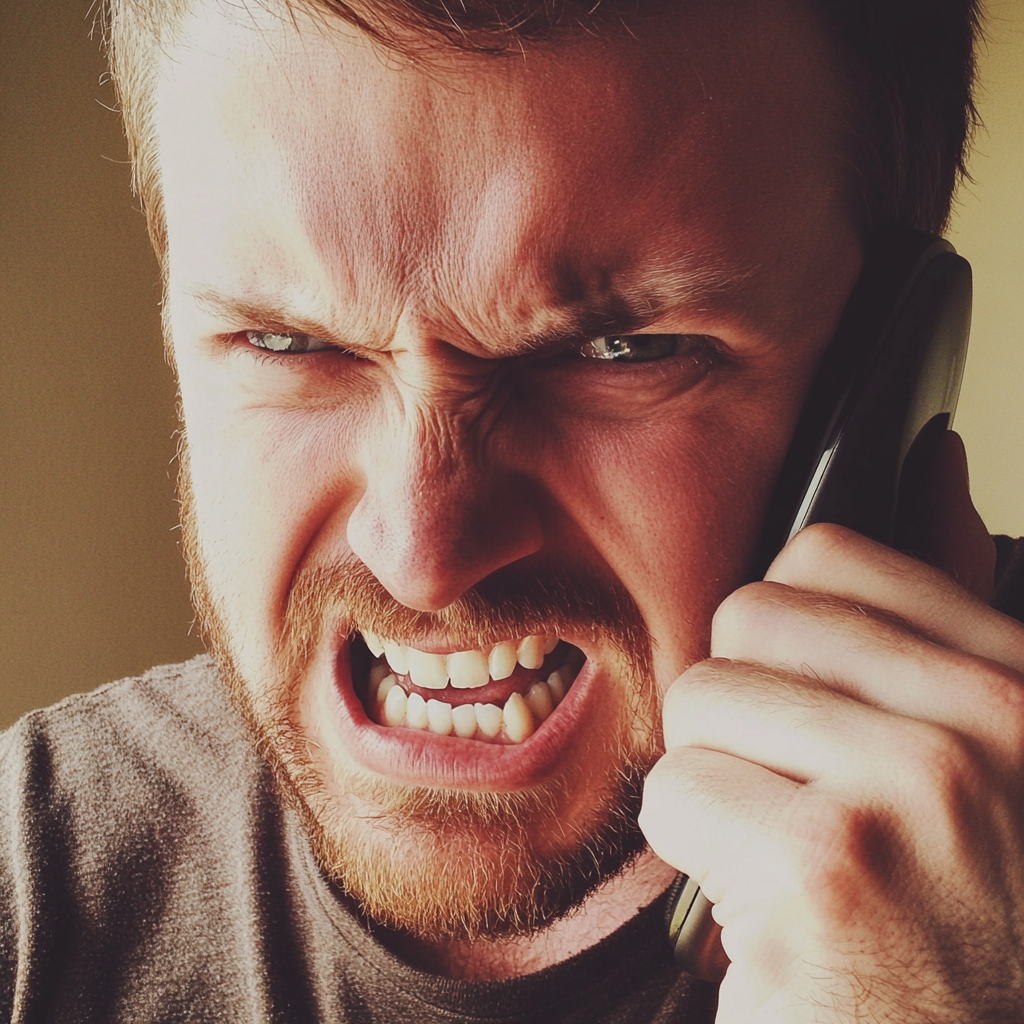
391, 706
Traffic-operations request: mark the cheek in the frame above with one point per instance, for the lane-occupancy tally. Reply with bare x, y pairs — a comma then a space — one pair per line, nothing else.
674, 508
265, 483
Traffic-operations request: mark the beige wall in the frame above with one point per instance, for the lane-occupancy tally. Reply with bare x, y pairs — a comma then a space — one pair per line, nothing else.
91, 586
989, 230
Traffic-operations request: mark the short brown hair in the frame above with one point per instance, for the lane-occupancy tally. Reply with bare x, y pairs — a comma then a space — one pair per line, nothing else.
912, 60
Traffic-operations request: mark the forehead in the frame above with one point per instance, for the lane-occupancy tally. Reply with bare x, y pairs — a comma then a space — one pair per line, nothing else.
679, 163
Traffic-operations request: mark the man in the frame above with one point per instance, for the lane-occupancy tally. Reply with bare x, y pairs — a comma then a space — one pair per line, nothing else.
491, 339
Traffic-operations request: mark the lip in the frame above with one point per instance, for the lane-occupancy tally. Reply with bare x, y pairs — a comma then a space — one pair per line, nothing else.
431, 645
425, 759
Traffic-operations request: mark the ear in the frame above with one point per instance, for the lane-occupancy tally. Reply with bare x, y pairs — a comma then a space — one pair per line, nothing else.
958, 541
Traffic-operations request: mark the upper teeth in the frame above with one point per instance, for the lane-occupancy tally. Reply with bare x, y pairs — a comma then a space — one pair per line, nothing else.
465, 669
388, 703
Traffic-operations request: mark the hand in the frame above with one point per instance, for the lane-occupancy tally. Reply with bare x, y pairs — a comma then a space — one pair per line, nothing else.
845, 779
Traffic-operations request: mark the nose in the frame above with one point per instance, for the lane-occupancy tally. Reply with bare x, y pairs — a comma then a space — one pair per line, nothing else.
436, 517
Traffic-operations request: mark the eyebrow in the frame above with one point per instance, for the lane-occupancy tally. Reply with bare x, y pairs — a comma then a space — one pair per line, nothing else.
651, 292
274, 316
260, 313
690, 281
575, 316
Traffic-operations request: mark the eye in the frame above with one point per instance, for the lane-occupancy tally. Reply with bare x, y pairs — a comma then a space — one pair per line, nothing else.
642, 348
287, 343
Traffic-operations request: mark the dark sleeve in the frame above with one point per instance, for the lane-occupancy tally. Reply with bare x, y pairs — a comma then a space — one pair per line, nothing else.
1009, 589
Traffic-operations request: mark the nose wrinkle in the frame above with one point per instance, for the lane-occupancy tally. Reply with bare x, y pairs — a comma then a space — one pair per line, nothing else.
445, 391
431, 524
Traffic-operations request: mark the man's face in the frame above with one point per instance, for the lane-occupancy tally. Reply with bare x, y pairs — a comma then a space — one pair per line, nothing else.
389, 281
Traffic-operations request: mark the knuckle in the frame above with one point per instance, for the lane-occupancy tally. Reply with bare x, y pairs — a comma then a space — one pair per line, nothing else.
941, 768
743, 614
656, 785
666, 790
701, 675
812, 550
933, 751
731, 613
848, 847
710, 680
685, 697
1007, 717
849, 843
674, 703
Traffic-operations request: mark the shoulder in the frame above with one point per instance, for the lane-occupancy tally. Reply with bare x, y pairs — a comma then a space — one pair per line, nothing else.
114, 767
133, 821
134, 725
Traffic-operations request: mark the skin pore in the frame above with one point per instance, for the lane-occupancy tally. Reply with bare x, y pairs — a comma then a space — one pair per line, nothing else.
452, 235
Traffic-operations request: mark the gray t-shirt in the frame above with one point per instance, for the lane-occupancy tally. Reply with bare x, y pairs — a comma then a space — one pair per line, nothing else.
149, 871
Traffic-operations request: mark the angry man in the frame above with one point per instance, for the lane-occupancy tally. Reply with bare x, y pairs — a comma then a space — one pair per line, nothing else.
492, 324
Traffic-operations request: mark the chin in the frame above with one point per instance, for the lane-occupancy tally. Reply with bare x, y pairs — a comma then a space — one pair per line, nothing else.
491, 831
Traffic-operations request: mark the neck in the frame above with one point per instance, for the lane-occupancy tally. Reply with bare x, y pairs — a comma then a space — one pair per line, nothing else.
605, 910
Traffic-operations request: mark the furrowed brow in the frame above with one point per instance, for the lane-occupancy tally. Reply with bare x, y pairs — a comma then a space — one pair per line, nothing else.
643, 297
272, 314
685, 281
576, 314
582, 325
260, 313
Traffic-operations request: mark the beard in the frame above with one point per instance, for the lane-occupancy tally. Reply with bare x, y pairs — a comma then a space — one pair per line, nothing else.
449, 863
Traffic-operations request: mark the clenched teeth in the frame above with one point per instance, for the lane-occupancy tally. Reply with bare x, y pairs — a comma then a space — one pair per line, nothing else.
522, 713
501, 662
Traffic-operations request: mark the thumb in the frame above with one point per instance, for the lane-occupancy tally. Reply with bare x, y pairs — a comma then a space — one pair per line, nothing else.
958, 541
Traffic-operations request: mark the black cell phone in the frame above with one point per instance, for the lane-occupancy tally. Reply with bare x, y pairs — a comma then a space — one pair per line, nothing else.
861, 456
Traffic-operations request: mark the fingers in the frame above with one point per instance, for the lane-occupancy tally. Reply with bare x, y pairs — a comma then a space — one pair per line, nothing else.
832, 560
703, 808
874, 659
828, 781
793, 725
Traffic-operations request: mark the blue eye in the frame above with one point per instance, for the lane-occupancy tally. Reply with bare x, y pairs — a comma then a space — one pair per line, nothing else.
641, 348
287, 343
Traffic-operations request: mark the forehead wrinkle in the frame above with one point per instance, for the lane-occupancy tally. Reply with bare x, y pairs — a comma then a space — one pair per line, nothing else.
388, 232
529, 300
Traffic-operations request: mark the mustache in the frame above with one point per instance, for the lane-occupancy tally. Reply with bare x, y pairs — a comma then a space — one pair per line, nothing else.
563, 597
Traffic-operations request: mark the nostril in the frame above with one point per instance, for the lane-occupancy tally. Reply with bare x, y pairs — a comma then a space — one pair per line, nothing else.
428, 549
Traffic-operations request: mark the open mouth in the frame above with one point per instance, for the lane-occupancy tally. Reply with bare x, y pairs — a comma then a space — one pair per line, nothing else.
500, 694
